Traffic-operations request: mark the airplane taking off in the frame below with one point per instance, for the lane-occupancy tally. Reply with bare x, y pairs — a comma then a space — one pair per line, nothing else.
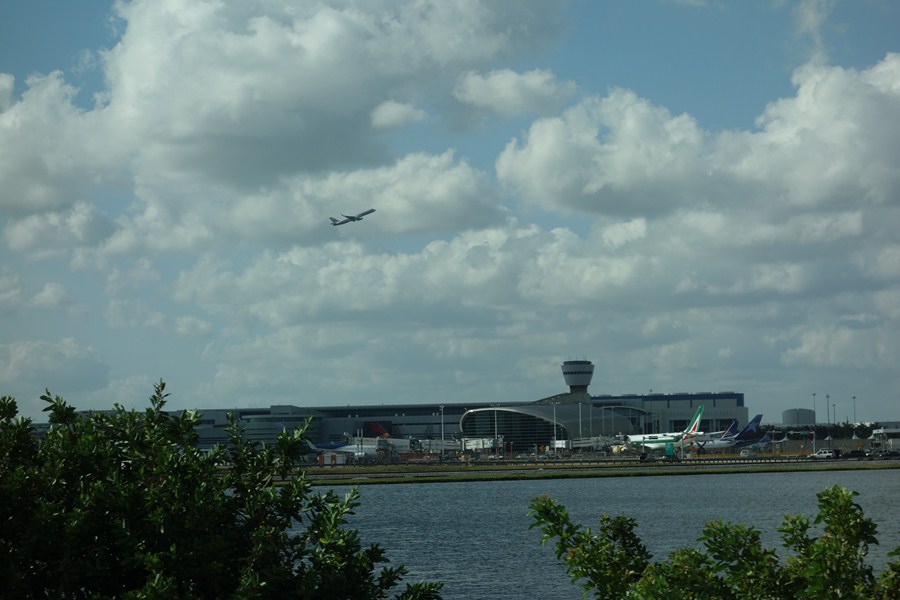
658, 441
745, 436
351, 218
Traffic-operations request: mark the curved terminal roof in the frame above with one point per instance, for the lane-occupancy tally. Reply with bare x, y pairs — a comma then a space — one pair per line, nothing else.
575, 416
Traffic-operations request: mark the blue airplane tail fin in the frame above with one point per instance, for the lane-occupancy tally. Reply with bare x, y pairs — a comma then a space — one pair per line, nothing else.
751, 429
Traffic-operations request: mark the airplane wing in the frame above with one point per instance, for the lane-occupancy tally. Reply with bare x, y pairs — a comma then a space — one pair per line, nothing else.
351, 218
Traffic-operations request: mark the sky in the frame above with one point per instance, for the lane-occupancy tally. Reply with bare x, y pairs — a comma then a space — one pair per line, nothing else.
694, 195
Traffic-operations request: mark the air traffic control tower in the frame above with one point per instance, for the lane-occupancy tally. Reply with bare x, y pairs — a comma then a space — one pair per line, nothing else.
578, 374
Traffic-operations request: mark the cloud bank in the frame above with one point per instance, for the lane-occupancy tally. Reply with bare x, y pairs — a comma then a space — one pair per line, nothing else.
178, 227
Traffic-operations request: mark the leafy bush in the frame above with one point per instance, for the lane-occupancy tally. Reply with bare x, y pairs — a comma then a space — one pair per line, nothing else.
732, 564
123, 504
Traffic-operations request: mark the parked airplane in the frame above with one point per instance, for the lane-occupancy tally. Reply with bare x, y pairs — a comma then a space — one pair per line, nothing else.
351, 218
358, 450
766, 441
745, 436
658, 441
731, 431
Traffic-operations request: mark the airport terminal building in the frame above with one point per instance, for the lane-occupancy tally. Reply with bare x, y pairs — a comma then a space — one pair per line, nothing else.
574, 420
571, 420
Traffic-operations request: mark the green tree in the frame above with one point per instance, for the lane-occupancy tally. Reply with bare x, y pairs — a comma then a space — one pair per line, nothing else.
123, 504
731, 562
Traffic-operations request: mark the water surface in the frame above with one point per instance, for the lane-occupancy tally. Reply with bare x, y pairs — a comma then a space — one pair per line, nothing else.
475, 536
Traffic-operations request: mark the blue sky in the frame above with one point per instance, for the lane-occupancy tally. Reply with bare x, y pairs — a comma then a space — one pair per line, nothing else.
694, 195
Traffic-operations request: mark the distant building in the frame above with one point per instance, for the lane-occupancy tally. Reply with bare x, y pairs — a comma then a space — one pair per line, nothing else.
576, 418
798, 417
569, 419
572, 419
337, 424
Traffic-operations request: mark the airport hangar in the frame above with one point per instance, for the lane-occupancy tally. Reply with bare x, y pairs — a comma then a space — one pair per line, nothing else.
576, 418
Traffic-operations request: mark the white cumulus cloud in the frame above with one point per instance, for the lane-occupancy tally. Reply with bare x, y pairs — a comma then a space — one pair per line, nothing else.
508, 93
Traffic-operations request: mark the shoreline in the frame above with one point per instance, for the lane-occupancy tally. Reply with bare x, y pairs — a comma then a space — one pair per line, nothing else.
411, 474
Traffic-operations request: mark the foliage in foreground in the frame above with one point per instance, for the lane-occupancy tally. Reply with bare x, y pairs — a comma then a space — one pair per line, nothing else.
124, 505
731, 562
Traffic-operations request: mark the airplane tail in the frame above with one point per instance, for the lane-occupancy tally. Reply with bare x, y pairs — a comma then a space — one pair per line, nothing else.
333, 220
750, 430
731, 431
694, 426
767, 439
379, 430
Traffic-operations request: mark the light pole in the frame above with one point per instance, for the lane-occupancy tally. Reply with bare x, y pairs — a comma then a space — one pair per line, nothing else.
854, 411
814, 422
828, 416
554, 427
442, 429
580, 434
496, 454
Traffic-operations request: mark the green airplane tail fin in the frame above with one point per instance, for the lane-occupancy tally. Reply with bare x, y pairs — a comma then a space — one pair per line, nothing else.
694, 426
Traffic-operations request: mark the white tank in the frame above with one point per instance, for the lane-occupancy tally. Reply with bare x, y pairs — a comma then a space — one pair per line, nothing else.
798, 416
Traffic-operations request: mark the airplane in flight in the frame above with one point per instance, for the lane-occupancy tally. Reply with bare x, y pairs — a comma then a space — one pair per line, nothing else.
351, 218
746, 435
658, 441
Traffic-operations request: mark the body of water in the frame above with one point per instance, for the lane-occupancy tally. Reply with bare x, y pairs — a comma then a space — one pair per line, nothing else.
475, 537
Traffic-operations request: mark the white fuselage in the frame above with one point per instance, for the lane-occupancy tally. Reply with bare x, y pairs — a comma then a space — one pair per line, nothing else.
657, 441
718, 444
